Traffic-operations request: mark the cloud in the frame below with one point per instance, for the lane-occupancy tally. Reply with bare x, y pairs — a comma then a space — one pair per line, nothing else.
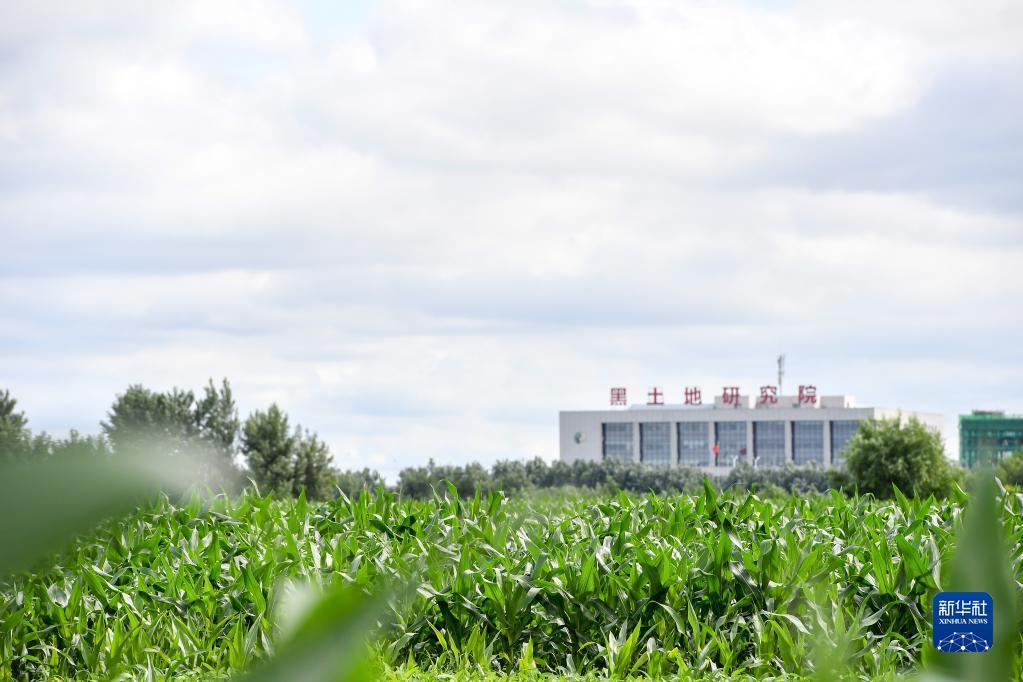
424, 227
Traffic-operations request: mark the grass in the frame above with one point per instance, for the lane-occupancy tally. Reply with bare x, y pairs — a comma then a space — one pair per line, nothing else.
684, 587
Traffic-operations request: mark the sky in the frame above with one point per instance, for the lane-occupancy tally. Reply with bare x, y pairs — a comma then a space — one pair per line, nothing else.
423, 227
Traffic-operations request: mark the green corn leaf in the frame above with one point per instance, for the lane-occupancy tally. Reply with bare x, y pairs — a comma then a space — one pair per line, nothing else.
980, 564
44, 505
328, 643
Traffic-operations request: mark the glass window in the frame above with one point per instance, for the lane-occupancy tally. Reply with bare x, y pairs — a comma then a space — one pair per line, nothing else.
769, 443
808, 442
693, 445
655, 443
841, 432
731, 440
618, 442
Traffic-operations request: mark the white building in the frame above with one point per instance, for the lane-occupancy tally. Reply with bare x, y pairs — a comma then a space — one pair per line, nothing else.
719, 436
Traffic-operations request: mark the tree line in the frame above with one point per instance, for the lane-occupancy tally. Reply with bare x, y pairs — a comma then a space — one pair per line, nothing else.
883, 455
264, 448
267, 451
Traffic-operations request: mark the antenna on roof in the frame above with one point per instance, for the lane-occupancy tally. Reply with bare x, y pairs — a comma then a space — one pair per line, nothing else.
781, 371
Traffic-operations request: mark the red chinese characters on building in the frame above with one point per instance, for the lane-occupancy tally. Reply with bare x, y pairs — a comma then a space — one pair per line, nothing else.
730, 395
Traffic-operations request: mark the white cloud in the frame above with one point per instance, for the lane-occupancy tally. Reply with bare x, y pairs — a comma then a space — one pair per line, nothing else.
426, 236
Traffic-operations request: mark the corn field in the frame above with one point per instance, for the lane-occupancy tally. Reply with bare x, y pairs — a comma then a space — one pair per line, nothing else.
616, 586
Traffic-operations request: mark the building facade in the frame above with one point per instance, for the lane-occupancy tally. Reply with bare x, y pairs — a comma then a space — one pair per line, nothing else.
988, 436
718, 437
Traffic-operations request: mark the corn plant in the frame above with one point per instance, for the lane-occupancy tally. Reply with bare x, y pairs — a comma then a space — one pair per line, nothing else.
697, 586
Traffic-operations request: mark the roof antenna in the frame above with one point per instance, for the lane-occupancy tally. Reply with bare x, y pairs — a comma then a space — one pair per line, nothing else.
781, 371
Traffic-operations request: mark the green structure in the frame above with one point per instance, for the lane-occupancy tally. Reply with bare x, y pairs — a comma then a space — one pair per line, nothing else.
988, 436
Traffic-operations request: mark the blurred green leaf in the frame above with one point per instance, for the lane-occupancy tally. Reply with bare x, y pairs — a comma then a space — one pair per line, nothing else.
326, 644
44, 505
981, 563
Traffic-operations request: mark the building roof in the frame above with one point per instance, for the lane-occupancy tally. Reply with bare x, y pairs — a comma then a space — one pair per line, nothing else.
989, 415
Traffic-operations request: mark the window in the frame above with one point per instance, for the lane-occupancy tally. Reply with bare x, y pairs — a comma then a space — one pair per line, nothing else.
655, 443
618, 442
808, 442
693, 445
731, 439
769, 443
841, 432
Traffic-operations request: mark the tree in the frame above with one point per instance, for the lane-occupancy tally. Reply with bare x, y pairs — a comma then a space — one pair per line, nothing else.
141, 419
17, 442
1010, 469
216, 418
14, 433
78, 445
417, 482
285, 462
269, 448
885, 453
423, 482
539, 474
467, 479
351, 483
509, 477
43, 445
312, 470
143, 422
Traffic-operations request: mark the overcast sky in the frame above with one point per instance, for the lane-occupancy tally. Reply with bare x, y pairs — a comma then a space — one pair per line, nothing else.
423, 227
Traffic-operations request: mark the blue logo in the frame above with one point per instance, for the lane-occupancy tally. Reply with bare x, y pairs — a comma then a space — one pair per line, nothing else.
963, 622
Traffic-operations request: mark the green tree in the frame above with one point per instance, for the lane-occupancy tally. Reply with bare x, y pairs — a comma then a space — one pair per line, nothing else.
1010, 469
78, 445
17, 442
351, 483
467, 479
417, 482
141, 420
313, 471
43, 445
269, 448
885, 453
14, 433
509, 477
216, 418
